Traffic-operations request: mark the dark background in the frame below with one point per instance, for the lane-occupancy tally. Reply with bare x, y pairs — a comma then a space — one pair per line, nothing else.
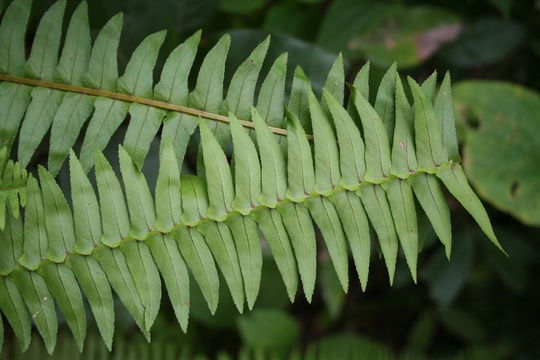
480, 305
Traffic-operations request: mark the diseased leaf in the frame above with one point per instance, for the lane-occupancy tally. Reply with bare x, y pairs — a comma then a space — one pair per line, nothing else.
378, 211
325, 216
298, 223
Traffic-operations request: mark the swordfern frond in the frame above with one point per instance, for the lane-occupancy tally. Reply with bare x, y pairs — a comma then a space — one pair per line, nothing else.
363, 165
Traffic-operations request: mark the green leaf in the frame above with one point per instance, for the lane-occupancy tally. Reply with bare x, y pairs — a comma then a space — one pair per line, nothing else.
268, 329
221, 244
178, 128
39, 302
384, 102
351, 144
455, 181
429, 146
173, 269
272, 93
139, 199
15, 98
58, 218
95, 286
173, 84
378, 211
12, 37
401, 200
168, 202
241, 90
273, 173
501, 154
326, 159
429, 194
86, 216
41, 63
335, 82
325, 216
37, 121
300, 172
246, 239
11, 243
67, 124
65, 290
377, 147
36, 243
271, 225
356, 227
138, 77
114, 264
247, 169
298, 100
142, 129
75, 56
194, 199
403, 152
300, 227
445, 113
218, 175
208, 92
429, 85
114, 214
145, 275
107, 117
103, 66
201, 263
12, 305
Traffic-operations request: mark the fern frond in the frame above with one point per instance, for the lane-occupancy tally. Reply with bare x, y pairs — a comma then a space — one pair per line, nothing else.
364, 165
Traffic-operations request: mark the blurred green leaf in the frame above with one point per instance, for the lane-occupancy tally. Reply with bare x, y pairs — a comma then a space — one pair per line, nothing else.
292, 19
446, 278
502, 5
268, 329
484, 42
331, 292
421, 333
462, 324
347, 347
503, 153
240, 6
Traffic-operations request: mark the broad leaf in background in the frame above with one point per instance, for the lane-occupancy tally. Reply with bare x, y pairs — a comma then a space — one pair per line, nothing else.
240, 6
503, 153
484, 42
268, 329
291, 18
387, 33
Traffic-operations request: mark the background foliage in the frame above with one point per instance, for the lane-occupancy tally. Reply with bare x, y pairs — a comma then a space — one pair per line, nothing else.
480, 305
